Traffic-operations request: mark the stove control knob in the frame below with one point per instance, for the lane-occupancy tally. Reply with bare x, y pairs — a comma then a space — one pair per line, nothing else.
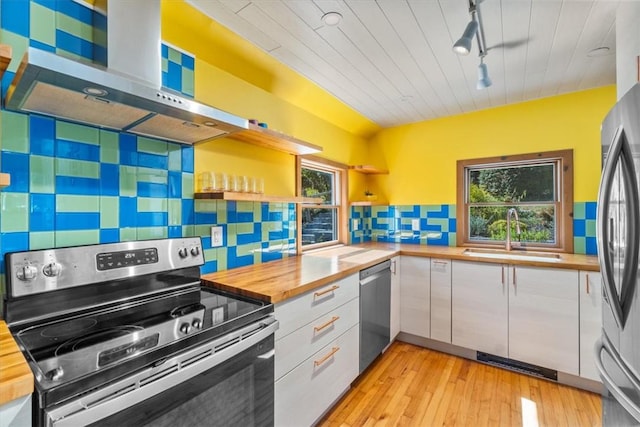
55, 374
26, 273
185, 328
51, 270
183, 252
195, 251
197, 323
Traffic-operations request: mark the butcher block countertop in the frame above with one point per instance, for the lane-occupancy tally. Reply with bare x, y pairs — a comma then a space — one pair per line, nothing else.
277, 281
16, 379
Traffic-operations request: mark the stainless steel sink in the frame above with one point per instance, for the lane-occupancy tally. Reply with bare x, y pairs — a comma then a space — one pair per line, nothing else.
521, 255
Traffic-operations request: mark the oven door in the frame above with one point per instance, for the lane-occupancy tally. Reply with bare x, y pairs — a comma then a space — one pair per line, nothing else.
228, 381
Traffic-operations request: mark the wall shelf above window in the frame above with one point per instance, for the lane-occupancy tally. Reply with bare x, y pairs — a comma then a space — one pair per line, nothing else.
369, 203
368, 170
253, 197
275, 140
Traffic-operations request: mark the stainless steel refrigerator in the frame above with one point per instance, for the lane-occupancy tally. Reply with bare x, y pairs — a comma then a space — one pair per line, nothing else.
618, 236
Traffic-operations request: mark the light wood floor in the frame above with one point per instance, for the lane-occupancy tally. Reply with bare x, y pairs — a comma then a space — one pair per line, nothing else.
414, 386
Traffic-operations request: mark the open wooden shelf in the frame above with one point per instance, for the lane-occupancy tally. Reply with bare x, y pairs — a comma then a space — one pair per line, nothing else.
369, 203
253, 197
5, 58
369, 170
275, 140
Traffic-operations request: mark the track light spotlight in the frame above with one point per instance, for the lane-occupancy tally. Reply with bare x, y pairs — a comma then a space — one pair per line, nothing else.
483, 76
463, 45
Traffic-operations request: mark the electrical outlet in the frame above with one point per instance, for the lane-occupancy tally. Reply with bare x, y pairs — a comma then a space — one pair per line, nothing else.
216, 236
355, 224
415, 224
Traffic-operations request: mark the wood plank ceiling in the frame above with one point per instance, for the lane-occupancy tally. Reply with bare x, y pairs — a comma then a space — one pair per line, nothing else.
392, 60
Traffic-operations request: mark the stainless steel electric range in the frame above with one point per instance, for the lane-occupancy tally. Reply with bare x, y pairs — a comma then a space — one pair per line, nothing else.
124, 334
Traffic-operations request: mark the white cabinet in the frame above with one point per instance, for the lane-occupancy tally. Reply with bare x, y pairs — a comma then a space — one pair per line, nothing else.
317, 350
16, 412
415, 295
479, 315
441, 300
590, 321
394, 325
543, 317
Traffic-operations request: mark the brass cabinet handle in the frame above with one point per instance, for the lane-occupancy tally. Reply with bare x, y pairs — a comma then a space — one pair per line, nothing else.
326, 325
333, 351
326, 291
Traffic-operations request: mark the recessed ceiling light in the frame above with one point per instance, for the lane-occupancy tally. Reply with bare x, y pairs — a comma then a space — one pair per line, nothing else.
331, 18
599, 51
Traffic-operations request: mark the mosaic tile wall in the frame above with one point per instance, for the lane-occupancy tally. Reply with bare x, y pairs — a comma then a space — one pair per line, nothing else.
178, 70
437, 225
74, 184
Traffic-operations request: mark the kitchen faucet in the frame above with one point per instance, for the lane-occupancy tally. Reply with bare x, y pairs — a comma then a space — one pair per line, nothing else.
511, 212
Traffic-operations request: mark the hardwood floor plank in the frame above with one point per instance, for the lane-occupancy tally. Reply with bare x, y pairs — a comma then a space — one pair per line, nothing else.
414, 386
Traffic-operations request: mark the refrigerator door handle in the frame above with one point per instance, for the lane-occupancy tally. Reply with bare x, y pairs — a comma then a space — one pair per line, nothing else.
609, 382
619, 153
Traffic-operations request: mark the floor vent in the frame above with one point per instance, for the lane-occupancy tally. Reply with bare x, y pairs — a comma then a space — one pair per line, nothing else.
517, 366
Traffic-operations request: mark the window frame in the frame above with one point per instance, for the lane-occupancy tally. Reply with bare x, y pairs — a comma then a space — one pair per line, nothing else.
340, 195
563, 201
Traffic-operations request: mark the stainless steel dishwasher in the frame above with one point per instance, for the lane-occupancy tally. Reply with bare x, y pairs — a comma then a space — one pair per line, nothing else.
375, 312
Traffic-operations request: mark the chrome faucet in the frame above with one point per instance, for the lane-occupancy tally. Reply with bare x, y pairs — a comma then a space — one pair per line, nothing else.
511, 212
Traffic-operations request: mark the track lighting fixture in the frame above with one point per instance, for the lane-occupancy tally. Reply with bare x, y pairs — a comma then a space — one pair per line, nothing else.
463, 45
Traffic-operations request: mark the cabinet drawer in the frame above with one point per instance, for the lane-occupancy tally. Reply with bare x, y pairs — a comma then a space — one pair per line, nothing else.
303, 309
294, 348
306, 392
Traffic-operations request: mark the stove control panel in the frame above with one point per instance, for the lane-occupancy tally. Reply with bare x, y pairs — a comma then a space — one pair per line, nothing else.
39, 271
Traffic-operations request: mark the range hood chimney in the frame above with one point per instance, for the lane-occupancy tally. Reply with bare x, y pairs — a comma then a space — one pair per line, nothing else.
126, 96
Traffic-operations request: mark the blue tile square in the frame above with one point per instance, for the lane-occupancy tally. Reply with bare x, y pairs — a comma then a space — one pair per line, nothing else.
152, 219
206, 218
77, 185
175, 231
42, 46
164, 50
109, 235
16, 165
77, 150
76, 11
128, 212
187, 159
209, 267
174, 76
188, 214
175, 184
153, 161
452, 225
42, 212
590, 209
188, 61
15, 17
42, 134
579, 229
49, 4
128, 149
231, 211
15, 242
77, 220
206, 241
270, 256
70, 43
152, 189
591, 247
109, 179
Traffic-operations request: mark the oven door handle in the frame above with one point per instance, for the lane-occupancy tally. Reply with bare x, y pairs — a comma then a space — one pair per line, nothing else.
150, 382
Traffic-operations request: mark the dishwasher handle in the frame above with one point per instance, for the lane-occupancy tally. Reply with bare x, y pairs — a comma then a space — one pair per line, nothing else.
375, 270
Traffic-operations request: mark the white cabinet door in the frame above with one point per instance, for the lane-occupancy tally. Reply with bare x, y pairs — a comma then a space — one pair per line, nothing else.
590, 321
395, 297
479, 306
441, 300
543, 317
415, 295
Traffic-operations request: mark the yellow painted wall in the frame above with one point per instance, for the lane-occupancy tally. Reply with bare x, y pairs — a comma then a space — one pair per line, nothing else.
422, 157
237, 77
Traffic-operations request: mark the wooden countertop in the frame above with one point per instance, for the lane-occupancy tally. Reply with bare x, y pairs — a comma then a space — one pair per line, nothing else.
16, 379
277, 281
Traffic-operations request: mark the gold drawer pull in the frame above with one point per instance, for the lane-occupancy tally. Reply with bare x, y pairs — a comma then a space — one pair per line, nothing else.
326, 325
326, 291
333, 351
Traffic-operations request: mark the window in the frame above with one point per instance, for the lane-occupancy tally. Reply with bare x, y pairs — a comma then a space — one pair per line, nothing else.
538, 186
321, 224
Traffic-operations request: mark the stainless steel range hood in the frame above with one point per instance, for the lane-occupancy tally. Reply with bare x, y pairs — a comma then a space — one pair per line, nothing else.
56, 86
